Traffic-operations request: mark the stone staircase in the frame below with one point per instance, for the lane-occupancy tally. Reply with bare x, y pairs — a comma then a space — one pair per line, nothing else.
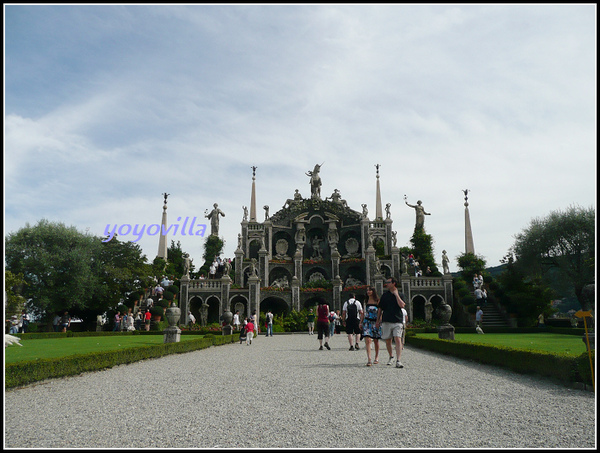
492, 317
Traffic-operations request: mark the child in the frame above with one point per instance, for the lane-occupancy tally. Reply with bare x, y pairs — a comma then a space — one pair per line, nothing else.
243, 333
249, 332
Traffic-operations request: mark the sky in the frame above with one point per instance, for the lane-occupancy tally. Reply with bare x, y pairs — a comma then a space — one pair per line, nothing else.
107, 107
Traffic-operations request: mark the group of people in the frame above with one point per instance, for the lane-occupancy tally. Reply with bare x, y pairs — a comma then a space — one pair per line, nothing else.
249, 328
219, 267
130, 321
18, 324
381, 319
416, 267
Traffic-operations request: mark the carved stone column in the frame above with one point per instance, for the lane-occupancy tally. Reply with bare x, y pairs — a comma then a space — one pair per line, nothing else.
337, 293
295, 293
183, 300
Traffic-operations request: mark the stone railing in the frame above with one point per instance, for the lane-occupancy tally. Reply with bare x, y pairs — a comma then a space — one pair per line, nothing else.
205, 284
426, 282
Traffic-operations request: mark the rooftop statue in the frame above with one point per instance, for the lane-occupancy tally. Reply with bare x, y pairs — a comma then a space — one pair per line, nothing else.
420, 213
213, 216
315, 182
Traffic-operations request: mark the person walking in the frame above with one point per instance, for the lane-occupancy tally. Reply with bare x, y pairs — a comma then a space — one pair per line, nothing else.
236, 320
370, 331
65, 321
24, 321
351, 314
310, 322
390, 318
269, 323
479, 320
332, 319
147, 318
254, 319
249, 332
323, 324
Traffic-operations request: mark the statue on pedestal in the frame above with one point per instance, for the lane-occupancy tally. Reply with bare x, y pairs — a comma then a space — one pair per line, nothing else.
420, 213
213, 216
315, 182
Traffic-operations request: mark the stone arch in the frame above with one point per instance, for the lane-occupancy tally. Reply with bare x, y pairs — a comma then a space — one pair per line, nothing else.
278, 246
379, 246
253, 248
239, 302
313, 270
314, 301
277, 305
214, 309
350, 244
278, 273
386, 270
195, 305
354, 273
418, 307
436, 301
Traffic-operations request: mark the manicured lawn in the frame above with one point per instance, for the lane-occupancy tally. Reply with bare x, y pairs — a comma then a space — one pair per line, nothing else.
550, 342
61, 347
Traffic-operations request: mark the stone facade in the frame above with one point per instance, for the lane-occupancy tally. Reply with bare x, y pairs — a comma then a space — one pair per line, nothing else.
311, 239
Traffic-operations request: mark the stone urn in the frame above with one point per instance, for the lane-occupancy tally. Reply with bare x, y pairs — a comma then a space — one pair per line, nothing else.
445, 329
445, 312
227, 318
172, 333
173, 314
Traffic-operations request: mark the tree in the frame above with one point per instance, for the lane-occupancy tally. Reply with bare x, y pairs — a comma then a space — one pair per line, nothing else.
14, 302
175, 265
523, 295
560, 246
67, 270
423, 250
470, 264
213, 246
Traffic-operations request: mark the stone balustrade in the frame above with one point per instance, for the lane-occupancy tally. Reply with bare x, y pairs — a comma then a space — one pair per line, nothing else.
426, 282
205, 284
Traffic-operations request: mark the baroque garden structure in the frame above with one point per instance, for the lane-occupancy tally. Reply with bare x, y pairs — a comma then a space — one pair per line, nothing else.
312, 249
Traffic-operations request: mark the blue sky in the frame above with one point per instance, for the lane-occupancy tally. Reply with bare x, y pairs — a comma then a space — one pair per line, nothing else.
109, 106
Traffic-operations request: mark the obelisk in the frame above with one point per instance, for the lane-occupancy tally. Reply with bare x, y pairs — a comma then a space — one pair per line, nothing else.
162, 242
378, 208
469, 247
253, 197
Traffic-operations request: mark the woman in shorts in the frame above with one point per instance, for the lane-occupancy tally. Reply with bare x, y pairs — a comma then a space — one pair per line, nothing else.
370, 331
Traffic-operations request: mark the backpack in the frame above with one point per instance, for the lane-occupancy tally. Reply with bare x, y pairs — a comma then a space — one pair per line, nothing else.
352, 310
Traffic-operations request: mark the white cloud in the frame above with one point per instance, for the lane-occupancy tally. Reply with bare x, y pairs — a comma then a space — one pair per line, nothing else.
107, 107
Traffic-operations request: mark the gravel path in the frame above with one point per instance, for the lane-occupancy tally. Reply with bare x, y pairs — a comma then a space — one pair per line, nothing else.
283, 392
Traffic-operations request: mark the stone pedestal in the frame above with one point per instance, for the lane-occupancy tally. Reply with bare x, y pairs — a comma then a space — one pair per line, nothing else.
446, 332
227, 330
172, 334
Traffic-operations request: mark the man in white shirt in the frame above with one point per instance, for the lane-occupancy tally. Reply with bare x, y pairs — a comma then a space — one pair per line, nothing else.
351, 313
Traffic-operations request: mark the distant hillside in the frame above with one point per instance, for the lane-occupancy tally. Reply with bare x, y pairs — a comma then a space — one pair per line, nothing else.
493, 271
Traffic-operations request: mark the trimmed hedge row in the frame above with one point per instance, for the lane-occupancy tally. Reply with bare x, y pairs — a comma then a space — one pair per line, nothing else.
565, 368
23, 373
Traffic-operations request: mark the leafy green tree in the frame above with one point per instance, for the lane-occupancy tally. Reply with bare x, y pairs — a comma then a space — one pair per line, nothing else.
67, 270
560, 247
176, 261
423, 250
523, 295
13, 284
213, 246
470, 264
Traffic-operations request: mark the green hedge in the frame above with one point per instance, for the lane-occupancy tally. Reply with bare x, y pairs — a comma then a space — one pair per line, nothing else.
565, 368
23, 373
